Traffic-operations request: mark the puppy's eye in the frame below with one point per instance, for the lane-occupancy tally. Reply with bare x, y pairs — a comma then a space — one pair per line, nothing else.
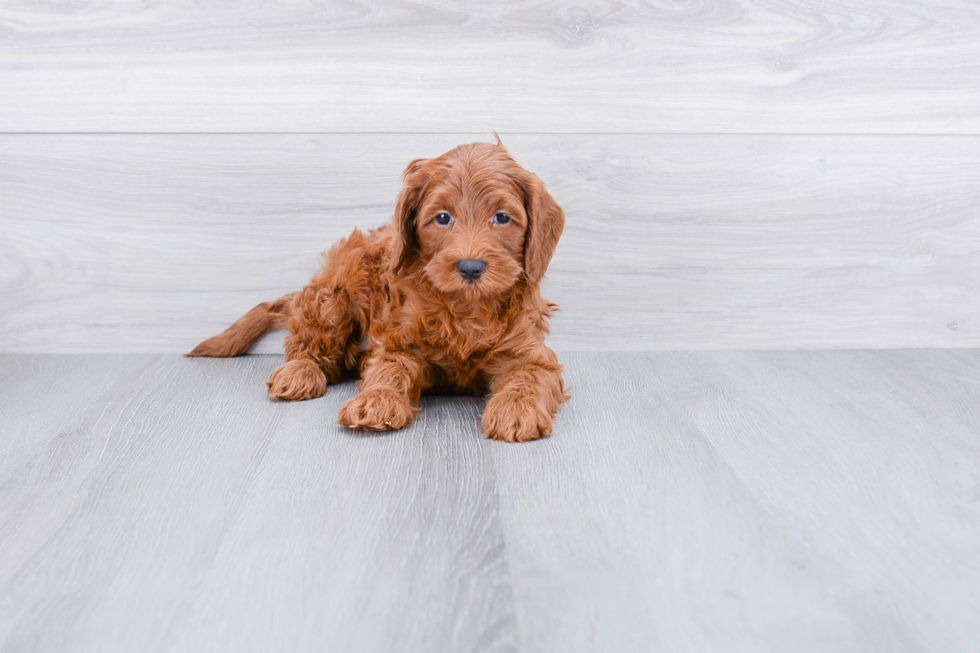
443, 219
501, 218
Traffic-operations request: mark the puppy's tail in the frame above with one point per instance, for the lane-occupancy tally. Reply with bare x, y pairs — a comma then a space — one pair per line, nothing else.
250, 327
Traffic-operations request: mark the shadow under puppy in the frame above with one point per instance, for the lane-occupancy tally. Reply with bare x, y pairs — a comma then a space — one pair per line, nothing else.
447, 296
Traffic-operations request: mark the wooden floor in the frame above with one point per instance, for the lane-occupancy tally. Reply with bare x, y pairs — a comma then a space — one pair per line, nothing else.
711, 501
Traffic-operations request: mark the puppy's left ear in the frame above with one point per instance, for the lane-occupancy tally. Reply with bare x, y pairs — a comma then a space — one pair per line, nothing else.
405, 220
546, 221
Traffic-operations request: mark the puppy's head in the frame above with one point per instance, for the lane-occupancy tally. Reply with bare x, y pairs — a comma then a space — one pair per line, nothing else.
475, 221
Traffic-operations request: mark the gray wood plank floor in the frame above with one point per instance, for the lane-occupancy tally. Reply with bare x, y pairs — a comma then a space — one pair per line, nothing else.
688, 501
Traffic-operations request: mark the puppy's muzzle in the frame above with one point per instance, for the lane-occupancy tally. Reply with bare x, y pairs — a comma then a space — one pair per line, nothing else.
471, 268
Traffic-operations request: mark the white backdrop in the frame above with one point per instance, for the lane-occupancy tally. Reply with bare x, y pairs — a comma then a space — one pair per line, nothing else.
735, 174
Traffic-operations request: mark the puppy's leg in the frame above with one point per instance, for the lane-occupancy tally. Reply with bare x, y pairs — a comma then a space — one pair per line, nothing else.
391, 385
322, 327
524, 397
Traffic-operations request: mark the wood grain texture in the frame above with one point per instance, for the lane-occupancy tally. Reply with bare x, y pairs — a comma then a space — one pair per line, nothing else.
764, 501
440, 66
177, 509
150, 243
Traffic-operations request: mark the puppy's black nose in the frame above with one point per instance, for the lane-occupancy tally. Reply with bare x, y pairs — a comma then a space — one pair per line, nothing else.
471, 268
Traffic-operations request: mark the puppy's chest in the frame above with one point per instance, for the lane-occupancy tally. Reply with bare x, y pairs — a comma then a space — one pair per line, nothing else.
458, 353
461, 354
458, 344
456, 372
446, 334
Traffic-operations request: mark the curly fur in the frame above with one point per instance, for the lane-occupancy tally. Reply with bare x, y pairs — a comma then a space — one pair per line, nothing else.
392, 306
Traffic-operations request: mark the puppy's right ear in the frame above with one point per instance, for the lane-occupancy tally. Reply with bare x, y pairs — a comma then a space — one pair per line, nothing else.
546, 221
406, 242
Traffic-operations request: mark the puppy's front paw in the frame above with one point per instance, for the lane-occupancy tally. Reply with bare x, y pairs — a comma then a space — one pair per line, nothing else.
513, 418
297, 380
377, 409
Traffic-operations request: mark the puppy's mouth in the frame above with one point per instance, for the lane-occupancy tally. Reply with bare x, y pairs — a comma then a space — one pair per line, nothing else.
473, 277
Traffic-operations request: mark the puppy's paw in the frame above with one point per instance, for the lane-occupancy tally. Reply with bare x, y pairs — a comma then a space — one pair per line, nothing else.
377, 409
514, 418
297, 380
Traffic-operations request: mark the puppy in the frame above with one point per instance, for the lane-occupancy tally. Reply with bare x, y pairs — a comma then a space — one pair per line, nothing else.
446, 297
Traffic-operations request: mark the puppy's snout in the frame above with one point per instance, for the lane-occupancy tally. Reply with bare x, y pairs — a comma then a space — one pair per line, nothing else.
471, 268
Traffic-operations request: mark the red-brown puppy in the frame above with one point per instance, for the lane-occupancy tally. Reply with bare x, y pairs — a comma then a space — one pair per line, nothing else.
446, 296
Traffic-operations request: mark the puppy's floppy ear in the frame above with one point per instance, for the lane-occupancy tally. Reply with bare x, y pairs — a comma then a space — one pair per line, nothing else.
545, 221
406, 241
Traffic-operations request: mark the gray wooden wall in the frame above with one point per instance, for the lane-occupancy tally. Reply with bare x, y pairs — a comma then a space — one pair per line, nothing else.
736, 173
